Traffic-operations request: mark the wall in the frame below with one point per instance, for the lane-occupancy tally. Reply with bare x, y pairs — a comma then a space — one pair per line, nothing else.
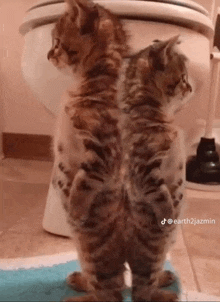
212, 9
1, 116
22, 114
217, 4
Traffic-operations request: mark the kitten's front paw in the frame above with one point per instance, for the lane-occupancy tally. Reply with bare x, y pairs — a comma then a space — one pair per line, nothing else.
166, 279
77, 282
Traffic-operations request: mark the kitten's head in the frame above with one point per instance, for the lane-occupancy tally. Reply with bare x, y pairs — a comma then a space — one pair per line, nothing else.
163, 68
83, 34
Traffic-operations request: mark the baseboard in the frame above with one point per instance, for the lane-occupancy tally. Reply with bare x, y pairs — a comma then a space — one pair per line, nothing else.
27, 146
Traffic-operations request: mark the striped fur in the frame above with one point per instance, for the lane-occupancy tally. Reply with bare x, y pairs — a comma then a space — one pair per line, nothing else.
88, 152
116, 165
155, 86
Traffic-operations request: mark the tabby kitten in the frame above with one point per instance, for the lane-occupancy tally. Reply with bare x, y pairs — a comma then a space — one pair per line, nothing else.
155, 87
90, 41
116, 191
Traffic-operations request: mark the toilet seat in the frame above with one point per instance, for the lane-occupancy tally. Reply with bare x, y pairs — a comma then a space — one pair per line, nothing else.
185, 3
183, 13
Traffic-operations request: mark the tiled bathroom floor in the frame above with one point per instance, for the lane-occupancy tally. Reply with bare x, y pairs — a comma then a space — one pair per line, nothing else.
24, 185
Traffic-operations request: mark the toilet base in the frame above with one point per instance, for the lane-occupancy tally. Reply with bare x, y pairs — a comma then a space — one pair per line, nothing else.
55, 220
204, 168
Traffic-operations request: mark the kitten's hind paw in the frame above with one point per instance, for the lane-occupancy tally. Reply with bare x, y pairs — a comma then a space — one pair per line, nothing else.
165, 296
77, 282
166, 279
86, 298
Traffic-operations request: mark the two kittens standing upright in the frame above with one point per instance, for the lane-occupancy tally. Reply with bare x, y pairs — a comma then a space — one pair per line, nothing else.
119, 163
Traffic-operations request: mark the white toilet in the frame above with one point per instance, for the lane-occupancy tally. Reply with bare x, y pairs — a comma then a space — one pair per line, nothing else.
145, 21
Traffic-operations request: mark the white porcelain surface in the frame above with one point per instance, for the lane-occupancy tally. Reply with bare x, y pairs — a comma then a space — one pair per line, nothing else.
177, 2
43, 77
49, 84
54, 220
128, 8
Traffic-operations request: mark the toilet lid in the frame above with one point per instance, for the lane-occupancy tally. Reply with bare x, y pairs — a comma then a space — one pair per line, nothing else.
185, 3
185, 13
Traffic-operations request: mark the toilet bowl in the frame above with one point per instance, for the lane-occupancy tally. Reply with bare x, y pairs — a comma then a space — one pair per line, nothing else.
145, 21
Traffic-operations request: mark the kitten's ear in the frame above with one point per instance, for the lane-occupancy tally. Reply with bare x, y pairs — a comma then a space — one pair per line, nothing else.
84, 4
84, 13
72, 9
159, 55
156, 41
106, 28
173, 41
88, 15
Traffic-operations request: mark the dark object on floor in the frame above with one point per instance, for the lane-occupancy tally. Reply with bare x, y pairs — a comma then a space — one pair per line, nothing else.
204, 168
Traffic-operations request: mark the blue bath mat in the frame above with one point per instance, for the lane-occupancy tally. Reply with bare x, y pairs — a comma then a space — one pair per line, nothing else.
43, 279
